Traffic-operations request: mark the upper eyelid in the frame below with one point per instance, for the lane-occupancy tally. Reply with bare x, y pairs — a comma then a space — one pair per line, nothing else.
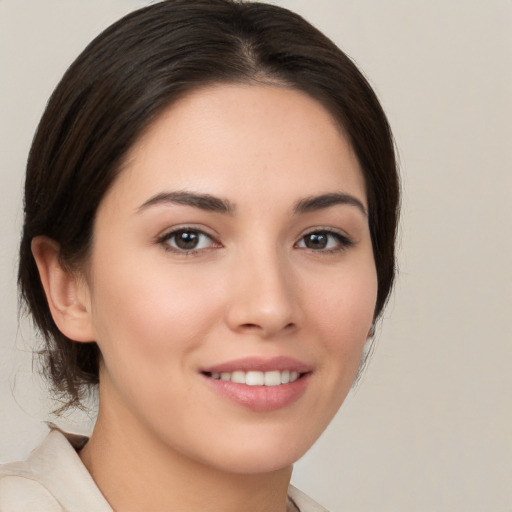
166, 233
325, 229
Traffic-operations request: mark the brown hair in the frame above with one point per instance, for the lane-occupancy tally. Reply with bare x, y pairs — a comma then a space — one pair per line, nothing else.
126, 77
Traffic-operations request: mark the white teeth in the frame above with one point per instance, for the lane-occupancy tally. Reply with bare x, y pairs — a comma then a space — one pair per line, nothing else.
238, 377
255, 378
272, 378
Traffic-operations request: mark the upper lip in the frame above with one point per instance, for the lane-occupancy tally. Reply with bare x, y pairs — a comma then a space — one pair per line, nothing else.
280, 363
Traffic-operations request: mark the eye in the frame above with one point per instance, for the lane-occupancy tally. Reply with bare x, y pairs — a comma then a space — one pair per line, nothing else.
324, 240
187, 240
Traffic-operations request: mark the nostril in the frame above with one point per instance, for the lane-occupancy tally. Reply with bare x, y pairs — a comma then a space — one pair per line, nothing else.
266, 330
250, 326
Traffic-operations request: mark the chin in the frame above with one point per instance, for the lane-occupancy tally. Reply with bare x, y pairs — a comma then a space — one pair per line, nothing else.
262, 452
259, 461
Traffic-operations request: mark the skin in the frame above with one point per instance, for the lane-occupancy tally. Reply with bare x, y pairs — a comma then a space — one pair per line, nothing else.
252, 288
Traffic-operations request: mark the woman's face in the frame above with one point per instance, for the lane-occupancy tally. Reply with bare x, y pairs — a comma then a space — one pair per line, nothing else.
231, 285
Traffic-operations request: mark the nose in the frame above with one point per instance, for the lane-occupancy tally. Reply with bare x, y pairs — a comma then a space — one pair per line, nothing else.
262, 297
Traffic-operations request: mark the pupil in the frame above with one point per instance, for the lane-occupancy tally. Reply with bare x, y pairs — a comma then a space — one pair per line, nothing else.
187, 240
316, 241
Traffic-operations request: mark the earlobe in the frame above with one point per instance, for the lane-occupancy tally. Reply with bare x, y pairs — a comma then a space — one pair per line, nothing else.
66, 292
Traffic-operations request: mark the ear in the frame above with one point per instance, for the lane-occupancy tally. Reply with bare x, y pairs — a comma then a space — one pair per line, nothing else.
67, 292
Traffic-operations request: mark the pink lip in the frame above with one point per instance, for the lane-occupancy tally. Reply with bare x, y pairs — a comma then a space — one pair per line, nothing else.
260, 398
260, 364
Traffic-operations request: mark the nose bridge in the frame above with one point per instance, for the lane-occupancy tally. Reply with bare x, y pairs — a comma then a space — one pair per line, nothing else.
263, 297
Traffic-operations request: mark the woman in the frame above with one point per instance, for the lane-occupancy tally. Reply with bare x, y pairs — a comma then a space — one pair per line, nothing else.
210, 213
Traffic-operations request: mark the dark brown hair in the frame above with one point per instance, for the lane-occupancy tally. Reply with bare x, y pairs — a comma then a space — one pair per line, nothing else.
126, 77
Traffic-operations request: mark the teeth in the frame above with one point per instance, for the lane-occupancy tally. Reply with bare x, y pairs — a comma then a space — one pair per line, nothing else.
272, 378
238, 377
254, 378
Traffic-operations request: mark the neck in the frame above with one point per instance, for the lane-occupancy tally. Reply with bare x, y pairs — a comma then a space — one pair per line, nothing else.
136, 471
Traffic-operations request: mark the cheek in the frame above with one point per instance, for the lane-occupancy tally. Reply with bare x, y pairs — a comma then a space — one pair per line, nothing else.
145, 316
343, 310
345, 302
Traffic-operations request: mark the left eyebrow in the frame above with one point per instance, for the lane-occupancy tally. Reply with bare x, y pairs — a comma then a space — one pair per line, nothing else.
313, 203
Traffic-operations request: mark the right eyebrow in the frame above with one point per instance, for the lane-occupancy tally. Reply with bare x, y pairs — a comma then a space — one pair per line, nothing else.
202, 201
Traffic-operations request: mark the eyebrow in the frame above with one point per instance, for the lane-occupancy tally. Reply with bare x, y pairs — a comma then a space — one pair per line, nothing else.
202, 201
211, 203
314, 203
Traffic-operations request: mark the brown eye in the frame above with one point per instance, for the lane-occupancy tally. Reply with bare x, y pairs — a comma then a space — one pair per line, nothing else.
187, 240
316, 241
324, 241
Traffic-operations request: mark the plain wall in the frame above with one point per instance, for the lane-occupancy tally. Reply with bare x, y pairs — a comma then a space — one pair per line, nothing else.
430, 426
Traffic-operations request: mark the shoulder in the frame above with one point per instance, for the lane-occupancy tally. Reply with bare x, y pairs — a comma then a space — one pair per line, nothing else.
52, 479
19, 492
21, 488
303, 502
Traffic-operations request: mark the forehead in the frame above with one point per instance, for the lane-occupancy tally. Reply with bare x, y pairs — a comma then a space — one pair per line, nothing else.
243, 141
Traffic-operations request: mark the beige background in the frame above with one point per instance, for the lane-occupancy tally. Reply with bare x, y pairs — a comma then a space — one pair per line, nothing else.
430, 427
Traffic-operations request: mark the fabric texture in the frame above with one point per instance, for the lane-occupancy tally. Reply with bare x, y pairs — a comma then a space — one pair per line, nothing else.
54, 479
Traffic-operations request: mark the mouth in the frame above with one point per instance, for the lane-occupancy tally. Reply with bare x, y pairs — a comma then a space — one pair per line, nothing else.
257, 378
261, 385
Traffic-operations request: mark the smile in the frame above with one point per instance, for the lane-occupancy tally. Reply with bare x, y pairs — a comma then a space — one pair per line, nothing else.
257, 378
258, 383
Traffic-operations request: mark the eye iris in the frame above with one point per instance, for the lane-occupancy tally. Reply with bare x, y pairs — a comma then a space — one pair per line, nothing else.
316, 241
186, 239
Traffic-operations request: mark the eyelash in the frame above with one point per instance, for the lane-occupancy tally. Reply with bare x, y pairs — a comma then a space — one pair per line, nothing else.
342, 241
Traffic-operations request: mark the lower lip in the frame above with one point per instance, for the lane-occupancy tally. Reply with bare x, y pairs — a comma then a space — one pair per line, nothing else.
261, 398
